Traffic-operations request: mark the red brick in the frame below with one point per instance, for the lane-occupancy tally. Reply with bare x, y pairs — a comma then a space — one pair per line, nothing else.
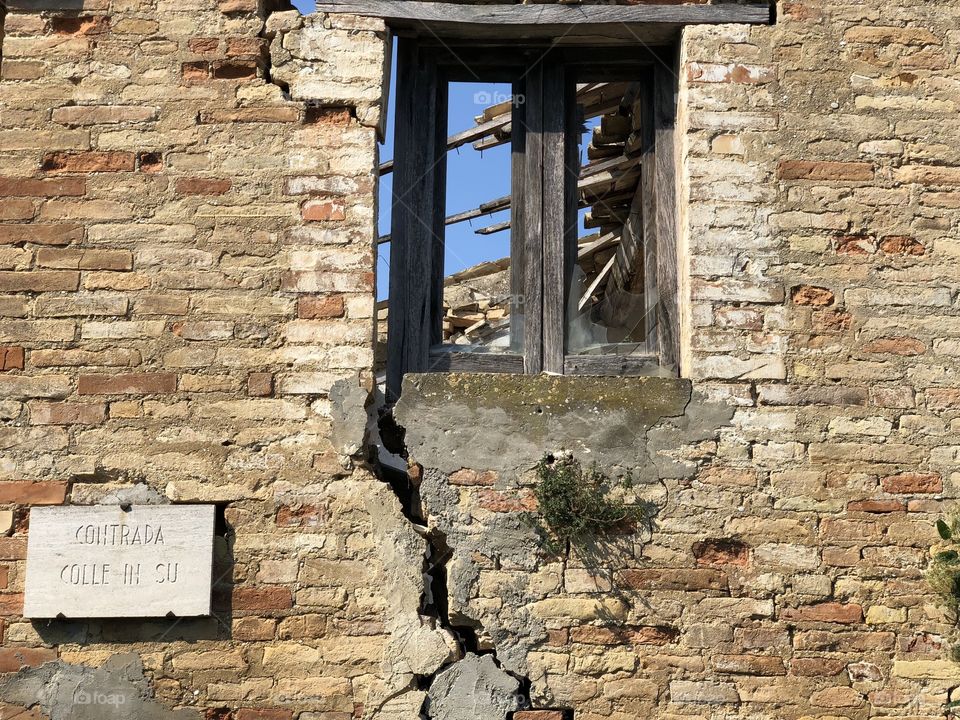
472, 477
203, 45
128, 384
902, 245
11, 358
817, 667
912, 483
48, 413
845, 613
12, 603
321, 210
816, 170
497, 501
46, 187
195, 71
721, 552
320, 307
876, 506
4, 583
904, 346
82, 25
40, 234
16, 209
88, 162
812, 295
203, 186
855, 245
831, 321
39, 281
538, 715
13, 658
262, 598
246, 46
593, 635
260, 384
330, 116
29, 492
263, 714
675, 579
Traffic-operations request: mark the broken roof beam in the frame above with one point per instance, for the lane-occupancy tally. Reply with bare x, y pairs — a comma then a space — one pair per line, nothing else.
503, 22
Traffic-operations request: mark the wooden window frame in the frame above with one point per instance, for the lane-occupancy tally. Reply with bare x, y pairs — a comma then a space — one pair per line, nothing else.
543, 236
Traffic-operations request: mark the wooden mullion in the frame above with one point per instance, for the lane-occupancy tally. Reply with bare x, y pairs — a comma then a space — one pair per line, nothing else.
559, 187
649, 215
668, 315
443, 361
438, 220
531, 209
518, 260
414, 214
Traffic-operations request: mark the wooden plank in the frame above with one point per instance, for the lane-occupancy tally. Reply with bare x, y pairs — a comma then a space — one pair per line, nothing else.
558, 177
452, 361
668, 315
518, 234
414, 189
437, 269
648, 211
626, 365
530, 208
597, 281
454, 19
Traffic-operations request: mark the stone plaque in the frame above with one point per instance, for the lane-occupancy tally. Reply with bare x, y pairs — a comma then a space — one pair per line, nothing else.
106, 562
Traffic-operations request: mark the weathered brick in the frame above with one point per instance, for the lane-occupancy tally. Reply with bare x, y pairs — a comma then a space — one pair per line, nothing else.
912, 483
17, 209
811, 295
44, 187
128, 384
11, 358
845, 613
39, 234
904, 346
14, 658
262, 599
260, 384
89, 162
27, 492
502, 502
67, 413
85, 259
278, 114
467, 477
323, 210
320, 308
902, 245
675, 579
538, 715
264, 714
822, 170
817, 667
203, 186
103, 114
876, 506
80, 25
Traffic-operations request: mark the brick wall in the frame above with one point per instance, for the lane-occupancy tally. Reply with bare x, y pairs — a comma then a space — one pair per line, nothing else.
186, 266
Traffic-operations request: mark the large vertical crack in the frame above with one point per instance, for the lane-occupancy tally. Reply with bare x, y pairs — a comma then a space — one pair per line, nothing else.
474, 678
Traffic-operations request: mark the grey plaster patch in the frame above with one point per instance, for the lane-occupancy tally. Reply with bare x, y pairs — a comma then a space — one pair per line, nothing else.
116, 691
508, 422
349, 414
475, 688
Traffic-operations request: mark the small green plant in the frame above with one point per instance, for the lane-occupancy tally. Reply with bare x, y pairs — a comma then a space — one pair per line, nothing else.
943, 577
577, 506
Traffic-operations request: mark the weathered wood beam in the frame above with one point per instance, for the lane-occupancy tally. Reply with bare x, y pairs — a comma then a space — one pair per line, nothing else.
502, 19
